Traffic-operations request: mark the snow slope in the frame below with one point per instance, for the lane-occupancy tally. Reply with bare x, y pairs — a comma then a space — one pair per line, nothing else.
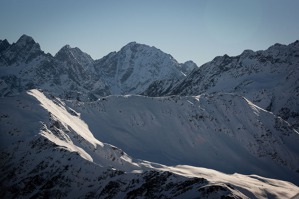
223, 131
48, 150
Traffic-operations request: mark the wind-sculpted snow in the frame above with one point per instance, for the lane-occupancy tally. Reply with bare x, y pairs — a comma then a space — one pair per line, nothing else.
49, 151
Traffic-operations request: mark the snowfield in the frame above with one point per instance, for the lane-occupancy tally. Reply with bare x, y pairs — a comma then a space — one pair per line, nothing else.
48, 149
222, 131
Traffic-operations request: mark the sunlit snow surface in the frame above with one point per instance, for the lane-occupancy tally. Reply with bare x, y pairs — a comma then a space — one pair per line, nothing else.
221, 131
50, 146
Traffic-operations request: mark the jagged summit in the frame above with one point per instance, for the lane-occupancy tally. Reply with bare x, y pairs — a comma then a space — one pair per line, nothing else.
135, 46
64, 48
27, 43
67, 53
25, 40
188, 66
4, 44
67, 48
131, 44
246, 52
23, 51
135, 66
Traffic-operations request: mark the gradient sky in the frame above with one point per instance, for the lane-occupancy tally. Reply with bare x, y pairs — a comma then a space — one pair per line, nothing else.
195, 30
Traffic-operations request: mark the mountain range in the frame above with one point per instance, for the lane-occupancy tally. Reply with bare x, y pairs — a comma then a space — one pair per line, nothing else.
267, 78
74, 127
73, 74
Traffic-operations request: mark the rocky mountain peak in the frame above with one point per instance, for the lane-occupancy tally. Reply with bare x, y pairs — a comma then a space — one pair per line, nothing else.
23, 51
73, 55
4, 44
131, 44
296, 43
64, 53
27, 43
25, 40
247, 53
132, 69
188, 66
282, 47
134, 48
191, 63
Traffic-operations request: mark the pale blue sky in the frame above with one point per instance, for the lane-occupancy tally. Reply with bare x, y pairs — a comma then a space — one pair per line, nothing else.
195, 30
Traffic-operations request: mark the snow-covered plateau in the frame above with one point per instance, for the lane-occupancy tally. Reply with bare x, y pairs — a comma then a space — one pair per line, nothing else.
138, 124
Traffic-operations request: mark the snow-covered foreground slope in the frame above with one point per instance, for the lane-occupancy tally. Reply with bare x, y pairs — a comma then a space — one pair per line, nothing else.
225, 132
48, 150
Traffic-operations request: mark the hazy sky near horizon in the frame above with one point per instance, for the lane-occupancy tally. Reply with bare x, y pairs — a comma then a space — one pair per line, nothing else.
195, 30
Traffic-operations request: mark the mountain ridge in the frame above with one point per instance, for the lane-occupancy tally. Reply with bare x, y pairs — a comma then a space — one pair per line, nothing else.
85, 78
260, 76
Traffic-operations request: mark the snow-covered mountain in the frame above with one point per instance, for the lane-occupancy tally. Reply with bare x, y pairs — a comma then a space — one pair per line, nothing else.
23, 51
270, 79
74, 56
48, 151
233, 114
188, 67
69, 74
73, 74
132, 69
